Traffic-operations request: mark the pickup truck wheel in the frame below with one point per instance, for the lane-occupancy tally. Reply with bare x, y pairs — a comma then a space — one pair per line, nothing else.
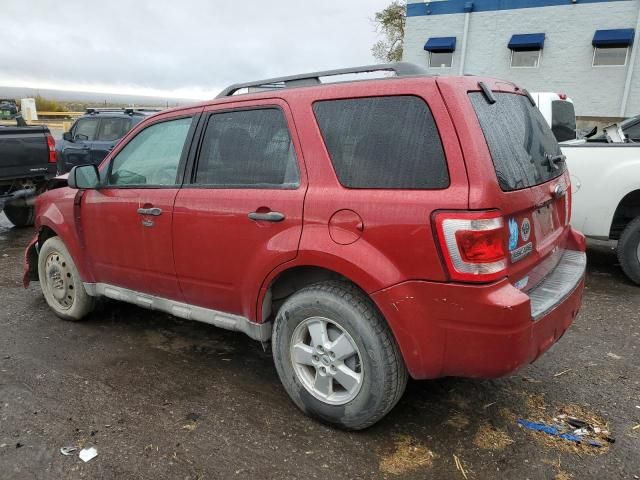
20, 216
336, 356
60, 282
629, 250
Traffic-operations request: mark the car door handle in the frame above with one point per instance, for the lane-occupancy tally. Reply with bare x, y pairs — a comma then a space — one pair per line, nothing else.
150, 211
267, 216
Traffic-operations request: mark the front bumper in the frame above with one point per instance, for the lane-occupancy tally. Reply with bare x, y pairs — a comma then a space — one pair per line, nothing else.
483, 331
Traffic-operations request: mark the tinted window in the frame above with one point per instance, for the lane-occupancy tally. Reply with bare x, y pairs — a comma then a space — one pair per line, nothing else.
247, 148
152, 156
112, 129
86, 127
563, 120
383, 142
633, 132
519, 140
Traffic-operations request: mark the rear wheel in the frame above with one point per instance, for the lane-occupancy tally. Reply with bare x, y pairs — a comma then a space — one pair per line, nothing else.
20, 216
629, 250
60, 282
336, 356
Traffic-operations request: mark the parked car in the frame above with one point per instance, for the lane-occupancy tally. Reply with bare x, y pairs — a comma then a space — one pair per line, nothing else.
606, 199
559, 112
93, 135
27, 162
349, 223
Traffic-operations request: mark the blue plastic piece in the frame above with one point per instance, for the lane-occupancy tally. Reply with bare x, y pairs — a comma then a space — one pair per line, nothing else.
541, 427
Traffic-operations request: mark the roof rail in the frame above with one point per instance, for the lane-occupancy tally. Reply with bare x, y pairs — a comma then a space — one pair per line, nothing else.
125, 110
401, 69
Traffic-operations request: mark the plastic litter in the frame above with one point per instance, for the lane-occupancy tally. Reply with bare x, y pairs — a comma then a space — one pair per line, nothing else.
552, 430
68, 450
87, 454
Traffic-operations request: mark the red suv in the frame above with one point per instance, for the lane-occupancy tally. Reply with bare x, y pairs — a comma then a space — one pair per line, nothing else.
371, 230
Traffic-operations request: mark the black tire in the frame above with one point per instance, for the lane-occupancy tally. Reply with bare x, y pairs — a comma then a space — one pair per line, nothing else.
20, 216
384, 375
60, 282
629, 250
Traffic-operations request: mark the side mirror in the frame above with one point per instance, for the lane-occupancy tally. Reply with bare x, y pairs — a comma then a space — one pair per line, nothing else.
84, 177
67, 136
81, 137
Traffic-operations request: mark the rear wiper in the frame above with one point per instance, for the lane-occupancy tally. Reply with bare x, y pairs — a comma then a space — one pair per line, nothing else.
551, 160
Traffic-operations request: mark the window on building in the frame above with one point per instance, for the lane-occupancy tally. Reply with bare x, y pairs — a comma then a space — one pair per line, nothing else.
383, 142
525, 58
610, 56
440, 59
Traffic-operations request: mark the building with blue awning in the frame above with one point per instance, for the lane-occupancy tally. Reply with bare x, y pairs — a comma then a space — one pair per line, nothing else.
587, 49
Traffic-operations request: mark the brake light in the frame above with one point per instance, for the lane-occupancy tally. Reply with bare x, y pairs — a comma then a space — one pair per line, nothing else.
51, 144
473, 245
562, 96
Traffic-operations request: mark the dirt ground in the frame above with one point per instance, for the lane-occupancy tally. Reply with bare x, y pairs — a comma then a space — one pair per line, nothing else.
164, 398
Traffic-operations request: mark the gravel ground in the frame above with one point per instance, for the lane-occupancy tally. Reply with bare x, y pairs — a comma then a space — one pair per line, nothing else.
165, 398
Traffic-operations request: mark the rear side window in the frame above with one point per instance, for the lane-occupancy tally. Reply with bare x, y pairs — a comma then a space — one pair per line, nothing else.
86, 129
563, 124
248, 149
519, 139
383, 142
112, 129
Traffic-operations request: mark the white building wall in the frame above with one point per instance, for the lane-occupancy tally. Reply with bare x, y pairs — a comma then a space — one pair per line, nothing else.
566, 62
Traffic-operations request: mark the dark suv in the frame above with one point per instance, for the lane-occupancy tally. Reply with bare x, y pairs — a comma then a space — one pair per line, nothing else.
94, 135
371, 230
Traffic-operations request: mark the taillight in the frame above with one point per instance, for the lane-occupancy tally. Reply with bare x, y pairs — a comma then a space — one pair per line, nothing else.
473, 245
51, 143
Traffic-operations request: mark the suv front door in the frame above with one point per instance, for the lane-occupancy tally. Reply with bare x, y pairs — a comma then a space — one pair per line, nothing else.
78, 151
127, 222
241, 215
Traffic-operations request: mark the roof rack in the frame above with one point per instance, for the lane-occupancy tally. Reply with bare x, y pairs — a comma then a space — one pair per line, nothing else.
401, 69
125, 110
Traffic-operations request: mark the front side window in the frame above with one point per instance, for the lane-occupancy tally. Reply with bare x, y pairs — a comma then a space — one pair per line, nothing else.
86, 129
525, 58
112, 129
440, 59
383, 142
248, 149
610, 56
152, 157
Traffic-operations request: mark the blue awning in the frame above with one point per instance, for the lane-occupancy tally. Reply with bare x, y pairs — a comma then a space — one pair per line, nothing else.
622, 37
527, 41
440, 44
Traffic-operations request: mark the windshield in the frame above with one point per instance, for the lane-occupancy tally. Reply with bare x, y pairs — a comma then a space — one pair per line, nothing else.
525, 153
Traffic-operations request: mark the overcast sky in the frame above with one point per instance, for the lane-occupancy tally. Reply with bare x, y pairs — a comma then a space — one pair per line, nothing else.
179, 48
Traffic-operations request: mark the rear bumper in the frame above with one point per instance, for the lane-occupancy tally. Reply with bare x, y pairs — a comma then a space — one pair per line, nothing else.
483, 331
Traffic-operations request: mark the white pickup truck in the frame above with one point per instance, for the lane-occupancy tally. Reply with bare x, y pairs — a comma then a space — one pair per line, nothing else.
605, 181
605, 178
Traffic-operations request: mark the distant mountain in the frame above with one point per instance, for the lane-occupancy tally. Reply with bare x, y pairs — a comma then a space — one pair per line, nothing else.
91, 97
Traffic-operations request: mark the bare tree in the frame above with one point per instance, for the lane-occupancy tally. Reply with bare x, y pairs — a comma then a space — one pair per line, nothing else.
390, 23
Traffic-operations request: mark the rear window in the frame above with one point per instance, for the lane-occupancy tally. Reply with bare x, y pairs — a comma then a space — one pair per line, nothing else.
383, 142
563, 123
519, 139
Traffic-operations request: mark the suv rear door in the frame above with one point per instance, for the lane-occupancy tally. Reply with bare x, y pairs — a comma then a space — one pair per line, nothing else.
240, 215
514, 165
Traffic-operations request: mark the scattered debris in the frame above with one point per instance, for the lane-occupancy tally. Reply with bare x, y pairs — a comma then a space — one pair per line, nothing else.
68, 450
458, 420
530, 380
409, 455
614, 356
636, 427
459, 466
87, 454
563, 372
491, 438
583, 435
18, 445
489, 404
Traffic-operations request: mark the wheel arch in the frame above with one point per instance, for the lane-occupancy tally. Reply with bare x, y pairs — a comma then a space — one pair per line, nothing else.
625, 212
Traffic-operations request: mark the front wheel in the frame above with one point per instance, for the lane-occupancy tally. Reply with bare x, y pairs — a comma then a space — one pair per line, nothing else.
336, 356
61, 283
629, 250
22, 216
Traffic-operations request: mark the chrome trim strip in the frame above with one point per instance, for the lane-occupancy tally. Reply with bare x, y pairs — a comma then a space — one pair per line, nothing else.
228, 321
559, 284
